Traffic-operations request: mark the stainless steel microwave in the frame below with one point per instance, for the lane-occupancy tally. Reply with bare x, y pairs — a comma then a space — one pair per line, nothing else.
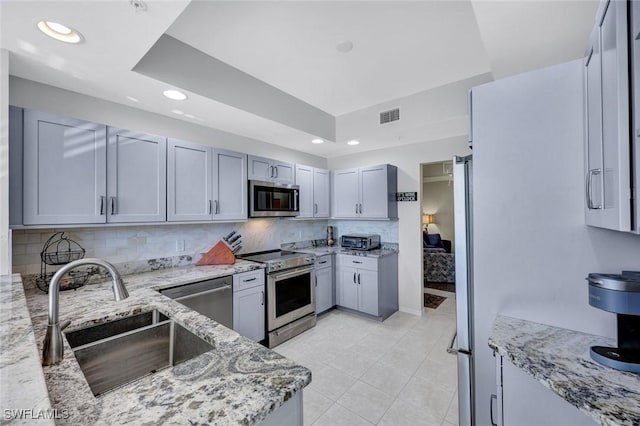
271, 199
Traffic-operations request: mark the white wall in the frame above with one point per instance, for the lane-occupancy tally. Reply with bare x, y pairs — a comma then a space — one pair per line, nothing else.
5, 232
408, 159
532, 249
29, 94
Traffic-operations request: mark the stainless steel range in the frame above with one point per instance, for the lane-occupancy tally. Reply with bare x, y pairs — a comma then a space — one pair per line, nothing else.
291, 298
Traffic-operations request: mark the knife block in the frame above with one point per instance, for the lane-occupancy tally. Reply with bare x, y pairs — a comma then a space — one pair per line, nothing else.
220, 254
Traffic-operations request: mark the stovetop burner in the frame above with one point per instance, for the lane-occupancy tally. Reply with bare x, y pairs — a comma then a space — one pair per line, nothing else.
277, 260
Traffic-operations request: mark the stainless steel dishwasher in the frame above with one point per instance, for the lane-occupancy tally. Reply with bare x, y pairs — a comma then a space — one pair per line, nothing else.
212, 298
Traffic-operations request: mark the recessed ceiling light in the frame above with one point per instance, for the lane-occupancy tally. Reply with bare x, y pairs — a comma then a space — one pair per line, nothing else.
176, 95
317, 141
177, 112
60, 32
190, 116
344, 46
132, 99
353, 142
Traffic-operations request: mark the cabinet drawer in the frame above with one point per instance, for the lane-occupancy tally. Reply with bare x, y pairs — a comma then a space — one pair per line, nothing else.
248, 280
325, 261
360, 262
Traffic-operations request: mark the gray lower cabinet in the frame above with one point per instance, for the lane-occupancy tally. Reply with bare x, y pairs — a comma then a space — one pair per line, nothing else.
368, 284
205, 183
64, 170
324, 285
249, 304
136, 177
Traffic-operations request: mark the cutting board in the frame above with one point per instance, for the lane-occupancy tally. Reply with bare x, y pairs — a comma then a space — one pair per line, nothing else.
220, 254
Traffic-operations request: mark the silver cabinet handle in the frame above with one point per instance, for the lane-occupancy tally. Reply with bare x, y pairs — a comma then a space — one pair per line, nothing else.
589, 188
316, 281
315, 208
356, 261
356, 208
360, 208
493, 398
322, 262
262, 297
270, 171
102, 199
217, 209
210, 207
249, 280
276, 169
358, 278
113, 205
354, 277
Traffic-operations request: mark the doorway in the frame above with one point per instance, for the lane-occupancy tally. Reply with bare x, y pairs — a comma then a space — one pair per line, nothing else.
438, 236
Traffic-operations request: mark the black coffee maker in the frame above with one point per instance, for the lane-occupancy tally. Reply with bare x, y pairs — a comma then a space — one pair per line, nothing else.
619, 294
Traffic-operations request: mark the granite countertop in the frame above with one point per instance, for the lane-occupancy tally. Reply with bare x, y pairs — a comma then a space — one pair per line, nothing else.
559, 359
239, 382
324, 250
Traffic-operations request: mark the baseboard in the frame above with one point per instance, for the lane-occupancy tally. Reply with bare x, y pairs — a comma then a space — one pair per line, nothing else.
417, 312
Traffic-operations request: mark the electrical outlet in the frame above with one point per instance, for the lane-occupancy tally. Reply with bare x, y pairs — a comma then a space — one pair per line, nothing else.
179, 245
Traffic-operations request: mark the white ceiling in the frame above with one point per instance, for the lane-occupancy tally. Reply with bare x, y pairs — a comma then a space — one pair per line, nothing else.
400, 49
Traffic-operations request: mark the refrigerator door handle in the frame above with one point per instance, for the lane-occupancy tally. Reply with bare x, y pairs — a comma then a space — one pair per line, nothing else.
450, 348
491, 401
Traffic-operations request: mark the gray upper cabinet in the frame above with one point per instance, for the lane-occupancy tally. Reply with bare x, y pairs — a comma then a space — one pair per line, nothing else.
189, 181
205, 183
230, 187
136, 177
314, 191
365, 193
266, 169
607, 145
64, 170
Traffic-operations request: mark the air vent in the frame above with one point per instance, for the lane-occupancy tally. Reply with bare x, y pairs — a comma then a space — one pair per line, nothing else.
390, 116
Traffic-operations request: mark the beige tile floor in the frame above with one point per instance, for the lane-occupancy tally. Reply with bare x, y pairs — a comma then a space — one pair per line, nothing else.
370, 373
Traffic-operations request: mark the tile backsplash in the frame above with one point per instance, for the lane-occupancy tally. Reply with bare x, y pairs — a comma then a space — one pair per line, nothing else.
388, 229
138, 243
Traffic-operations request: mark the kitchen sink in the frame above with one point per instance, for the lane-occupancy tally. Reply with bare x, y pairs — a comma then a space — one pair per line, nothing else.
119, 352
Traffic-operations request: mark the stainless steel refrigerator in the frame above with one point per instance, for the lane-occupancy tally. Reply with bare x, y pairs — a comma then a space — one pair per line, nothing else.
462, 207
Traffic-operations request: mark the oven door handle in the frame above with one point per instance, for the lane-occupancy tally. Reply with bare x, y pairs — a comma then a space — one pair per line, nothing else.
289, 274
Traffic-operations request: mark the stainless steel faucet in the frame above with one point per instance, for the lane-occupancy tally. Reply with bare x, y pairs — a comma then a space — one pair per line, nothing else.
52, 350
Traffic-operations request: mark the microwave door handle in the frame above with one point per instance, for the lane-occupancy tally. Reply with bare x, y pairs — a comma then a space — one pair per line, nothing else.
295, 200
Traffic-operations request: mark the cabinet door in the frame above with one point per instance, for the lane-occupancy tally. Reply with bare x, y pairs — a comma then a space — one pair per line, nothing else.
324, 289
373, 192
347, 287
136, 177
248, 313
64, 170
189, 181
593, 111
321, 193
260, 168
283, 172
304, 179
345, 201
230, 185
616, 212
367, 291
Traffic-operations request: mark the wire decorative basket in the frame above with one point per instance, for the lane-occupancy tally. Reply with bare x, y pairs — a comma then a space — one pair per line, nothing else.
60, 250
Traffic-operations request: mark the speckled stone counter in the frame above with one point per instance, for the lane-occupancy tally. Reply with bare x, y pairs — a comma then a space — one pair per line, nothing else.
239, 382
559, 359
386, 249
22, 385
